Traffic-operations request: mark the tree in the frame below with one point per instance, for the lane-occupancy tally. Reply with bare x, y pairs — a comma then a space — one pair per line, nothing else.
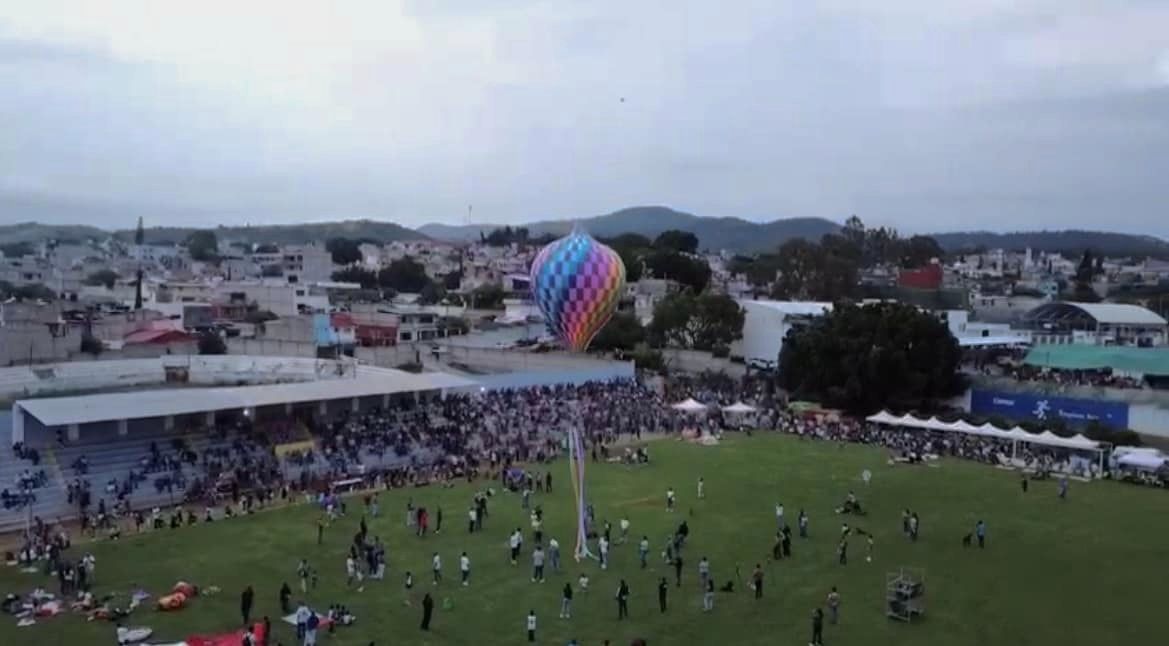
211, 343
488, 297
106, 277
33, 292
344, 250
808, 271
696, 321
404, 275
1085, 270
505, 236
431, 294
675, 240
622, 332
367, 278
91, 344
203, 245
672, 265
919, 250
628, 241
863, 358
266, 248
17, 249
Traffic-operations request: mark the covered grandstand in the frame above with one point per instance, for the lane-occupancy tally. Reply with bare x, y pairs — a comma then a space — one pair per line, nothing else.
1115, 323
1120, 359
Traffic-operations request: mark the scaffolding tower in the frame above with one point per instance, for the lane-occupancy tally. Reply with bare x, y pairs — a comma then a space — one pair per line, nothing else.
905, 594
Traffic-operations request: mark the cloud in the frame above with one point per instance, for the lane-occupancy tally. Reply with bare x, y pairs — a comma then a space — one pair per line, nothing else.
948, 113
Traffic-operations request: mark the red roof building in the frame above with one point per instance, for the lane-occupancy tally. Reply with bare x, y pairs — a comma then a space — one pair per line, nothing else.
928, 277
160, 332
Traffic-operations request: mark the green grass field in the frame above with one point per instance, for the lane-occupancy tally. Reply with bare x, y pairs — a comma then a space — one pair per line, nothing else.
1087, 570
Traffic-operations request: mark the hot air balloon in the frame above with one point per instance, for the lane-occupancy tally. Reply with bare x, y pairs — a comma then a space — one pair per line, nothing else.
576, 282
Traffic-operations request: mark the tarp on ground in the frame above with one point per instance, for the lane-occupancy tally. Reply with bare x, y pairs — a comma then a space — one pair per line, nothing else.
1143, 361
228, 639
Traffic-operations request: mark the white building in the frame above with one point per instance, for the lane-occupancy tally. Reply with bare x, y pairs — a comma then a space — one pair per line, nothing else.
766, 324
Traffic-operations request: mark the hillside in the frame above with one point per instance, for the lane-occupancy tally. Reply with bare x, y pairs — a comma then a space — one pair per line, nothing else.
288, 234
36, 232
713, 233
1069, 241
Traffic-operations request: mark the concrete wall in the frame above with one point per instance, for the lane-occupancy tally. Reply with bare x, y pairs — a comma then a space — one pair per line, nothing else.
556, 377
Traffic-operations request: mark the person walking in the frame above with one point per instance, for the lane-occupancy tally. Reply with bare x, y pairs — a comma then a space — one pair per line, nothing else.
980, 532
285, 595
663, 587
643, 551
531, 626
245, 604
817, 628
566, 601
678, 563
465, 569
708, 596
622, 600
427, 611
703, 572
757, 581
802, 522
833, 606
436, 567
538, 564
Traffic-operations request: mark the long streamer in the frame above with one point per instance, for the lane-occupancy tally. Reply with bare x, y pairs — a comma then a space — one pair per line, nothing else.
576, 465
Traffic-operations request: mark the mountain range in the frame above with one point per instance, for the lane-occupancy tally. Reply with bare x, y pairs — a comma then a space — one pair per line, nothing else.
713, 233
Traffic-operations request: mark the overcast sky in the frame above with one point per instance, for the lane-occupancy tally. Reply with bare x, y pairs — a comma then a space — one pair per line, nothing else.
924, 114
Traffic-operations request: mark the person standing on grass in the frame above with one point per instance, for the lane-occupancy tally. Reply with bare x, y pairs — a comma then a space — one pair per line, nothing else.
566, 601
285, 595
310, 629
708, 595
302, 571
1023, 483
1063, 487
701, 486
531, 626
914, 526
302, 615
471, 517
245, 604
703, 571
465, 569
833, 606
554, 554
802, 522
515, 542
905, 522
427, 611
778, 516
670, 499
622, 600
548, 482
603, 547
624, 524
663, 588
757, 581
320, 530
980, 532
438, 520
436, 567
538, 564
643, 551
817, 628
842, 551
678, 568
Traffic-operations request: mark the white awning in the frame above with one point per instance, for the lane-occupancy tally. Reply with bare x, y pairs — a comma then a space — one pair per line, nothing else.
689, 406
1046, 438
739, 407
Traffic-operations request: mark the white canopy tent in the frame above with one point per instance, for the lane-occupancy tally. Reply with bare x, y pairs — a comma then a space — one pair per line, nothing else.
739, 407
1014, 435
690, 405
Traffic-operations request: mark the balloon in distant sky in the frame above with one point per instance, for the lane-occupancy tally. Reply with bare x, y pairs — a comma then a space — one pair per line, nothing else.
577, 282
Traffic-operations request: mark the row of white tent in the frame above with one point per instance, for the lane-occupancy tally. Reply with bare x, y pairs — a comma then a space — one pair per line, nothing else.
692, 405
1016, 434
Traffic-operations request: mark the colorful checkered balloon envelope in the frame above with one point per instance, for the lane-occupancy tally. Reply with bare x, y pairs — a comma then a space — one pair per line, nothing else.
576, 282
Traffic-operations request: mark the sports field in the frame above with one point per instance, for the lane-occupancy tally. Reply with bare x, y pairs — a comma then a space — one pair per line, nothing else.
1087, 570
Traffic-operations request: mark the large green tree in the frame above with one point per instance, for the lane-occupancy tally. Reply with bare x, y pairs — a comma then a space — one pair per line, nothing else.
696, 321
105, 277
203, 245
345, 251
675, 240
368, 279
404, 275
673, 265
864, 358
622, 332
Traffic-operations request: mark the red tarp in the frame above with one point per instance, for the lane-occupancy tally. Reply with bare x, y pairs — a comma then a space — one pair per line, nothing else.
231, 639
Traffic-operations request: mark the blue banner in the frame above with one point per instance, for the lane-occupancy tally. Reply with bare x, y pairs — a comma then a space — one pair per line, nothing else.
1040, 408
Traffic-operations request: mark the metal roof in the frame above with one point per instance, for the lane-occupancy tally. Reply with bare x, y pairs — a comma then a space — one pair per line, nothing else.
85, 409
792, 308
1109, 313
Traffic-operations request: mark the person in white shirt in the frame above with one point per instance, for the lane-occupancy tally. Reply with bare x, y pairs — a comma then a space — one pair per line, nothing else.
531, 626
670, 499
701, 484
472, 516
436, 566
516, 540
603, 544
779, 515
465, 568
554, 554
351, 574
624, 529
538, 564
583, 583
703, 572
302, 615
